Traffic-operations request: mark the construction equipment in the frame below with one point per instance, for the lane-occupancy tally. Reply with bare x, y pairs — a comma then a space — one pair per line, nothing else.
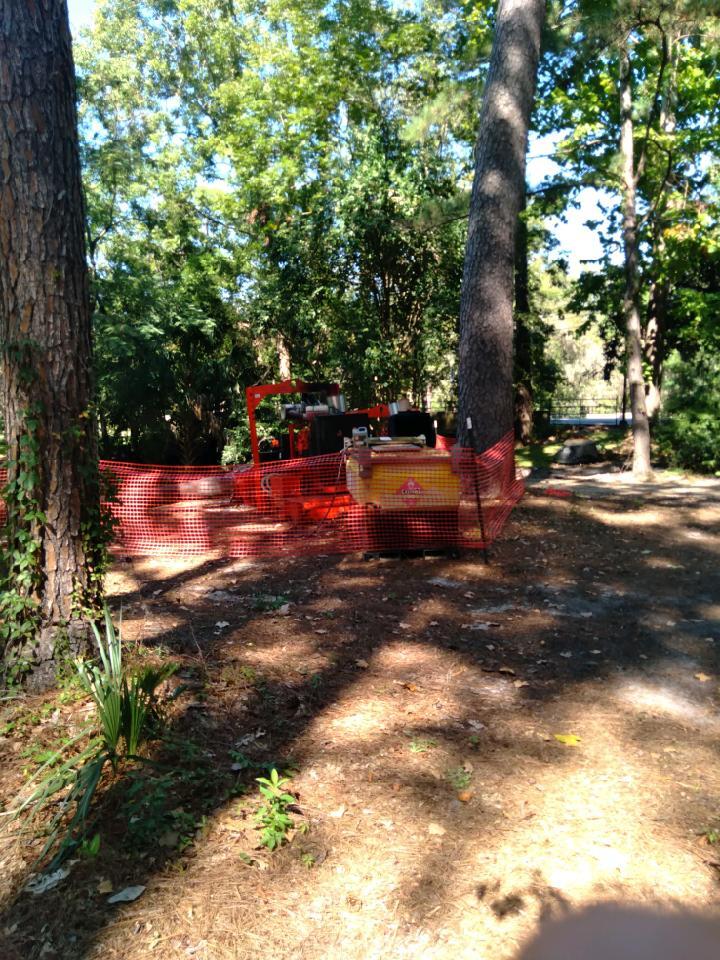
319, 423
379, 466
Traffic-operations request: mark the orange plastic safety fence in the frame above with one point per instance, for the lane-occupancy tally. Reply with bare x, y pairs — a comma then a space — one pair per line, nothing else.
363, 499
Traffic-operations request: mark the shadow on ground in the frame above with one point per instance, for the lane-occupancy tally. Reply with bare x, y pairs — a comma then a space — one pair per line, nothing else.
384, 673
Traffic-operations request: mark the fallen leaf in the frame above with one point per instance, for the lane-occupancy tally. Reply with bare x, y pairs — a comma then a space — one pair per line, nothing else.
403, 625
465, 796
250, 738
321, 631
340, 812
362, 663
127, 895
702, 677
412, 687
436, 830
105, 886
520, 683
569, 739
284, 610
47, 881
506, 670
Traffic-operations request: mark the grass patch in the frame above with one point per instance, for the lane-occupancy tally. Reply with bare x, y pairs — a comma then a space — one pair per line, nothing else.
541, 453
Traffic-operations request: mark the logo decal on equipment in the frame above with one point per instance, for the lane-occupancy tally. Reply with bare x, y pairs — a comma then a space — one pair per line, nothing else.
411, 488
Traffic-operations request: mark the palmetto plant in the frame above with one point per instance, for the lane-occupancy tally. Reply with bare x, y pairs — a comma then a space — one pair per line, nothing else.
127, 716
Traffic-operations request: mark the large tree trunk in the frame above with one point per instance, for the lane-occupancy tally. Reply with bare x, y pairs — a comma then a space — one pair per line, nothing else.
485, 368
642, 469
523, 336
45, 331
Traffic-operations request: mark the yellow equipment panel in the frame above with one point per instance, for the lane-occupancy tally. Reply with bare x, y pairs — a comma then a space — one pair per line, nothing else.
402, 481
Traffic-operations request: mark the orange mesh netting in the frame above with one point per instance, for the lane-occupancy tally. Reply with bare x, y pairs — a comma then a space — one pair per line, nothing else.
362, 499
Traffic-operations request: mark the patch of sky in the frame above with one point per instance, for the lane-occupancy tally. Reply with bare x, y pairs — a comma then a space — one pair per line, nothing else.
81, 14
578, 232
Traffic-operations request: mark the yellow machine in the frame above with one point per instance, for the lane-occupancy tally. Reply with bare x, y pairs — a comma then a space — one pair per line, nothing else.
401, 474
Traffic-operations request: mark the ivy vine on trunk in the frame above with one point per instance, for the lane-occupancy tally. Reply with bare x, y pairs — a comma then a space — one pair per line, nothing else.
53, 544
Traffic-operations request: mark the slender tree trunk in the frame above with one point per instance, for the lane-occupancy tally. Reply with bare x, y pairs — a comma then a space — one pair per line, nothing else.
284, 357
523, 336
631, 301
654, 345
485, 363
45, 323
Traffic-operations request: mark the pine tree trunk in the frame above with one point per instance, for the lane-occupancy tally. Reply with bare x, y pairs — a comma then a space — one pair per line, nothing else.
45, 317
485, 367
642, 469
523, 336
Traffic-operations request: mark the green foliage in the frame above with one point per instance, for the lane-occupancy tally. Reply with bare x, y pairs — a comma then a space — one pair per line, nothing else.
20, 559
264, 602
459, 778
272, 816
127, 717
672, 49
153, 815
126, 706
689, 432
422, 745
90, 848
286, 181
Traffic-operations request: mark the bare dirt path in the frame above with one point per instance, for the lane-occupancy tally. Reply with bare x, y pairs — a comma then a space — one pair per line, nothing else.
419, 701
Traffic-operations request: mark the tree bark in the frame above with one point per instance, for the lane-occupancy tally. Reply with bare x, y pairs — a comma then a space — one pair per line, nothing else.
642, 469
654, 344
45, 318
523, 336
485, 362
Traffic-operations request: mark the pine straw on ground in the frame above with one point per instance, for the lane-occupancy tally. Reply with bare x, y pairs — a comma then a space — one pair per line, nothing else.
417, 703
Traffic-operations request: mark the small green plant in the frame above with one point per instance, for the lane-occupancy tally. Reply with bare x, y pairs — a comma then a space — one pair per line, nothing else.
712, 835
127, 716
272, 815
236, 673
307, 860
459, 778
264, 602
422, 745
90, 848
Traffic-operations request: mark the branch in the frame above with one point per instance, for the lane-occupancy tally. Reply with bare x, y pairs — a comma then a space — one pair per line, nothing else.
652, 113
660, 191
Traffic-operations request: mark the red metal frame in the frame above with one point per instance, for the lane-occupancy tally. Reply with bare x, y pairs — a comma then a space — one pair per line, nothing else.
256, 394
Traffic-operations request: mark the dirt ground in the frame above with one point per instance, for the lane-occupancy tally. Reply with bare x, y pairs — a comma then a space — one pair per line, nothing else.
417, 704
